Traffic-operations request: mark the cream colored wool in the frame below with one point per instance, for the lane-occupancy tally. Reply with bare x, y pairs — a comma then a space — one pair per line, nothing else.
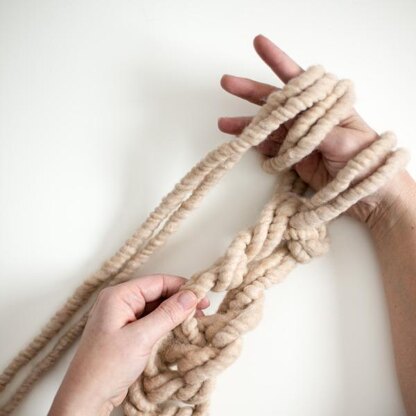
291, 229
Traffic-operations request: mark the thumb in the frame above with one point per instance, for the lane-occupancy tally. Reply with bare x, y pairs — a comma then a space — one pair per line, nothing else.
169, 314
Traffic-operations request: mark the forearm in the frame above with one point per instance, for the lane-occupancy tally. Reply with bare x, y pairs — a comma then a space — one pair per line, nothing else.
393, 230
73, 400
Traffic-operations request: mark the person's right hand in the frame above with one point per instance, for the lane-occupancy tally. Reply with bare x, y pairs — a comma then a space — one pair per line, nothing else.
346, 140
123, 325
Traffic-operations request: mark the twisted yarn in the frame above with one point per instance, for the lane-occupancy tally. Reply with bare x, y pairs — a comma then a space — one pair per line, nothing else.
291, 229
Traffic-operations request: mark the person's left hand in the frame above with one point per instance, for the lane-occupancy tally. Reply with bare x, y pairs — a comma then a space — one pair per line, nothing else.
123, 325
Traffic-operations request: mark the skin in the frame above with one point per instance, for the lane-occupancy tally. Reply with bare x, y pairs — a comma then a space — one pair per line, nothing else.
123, 325
128, 319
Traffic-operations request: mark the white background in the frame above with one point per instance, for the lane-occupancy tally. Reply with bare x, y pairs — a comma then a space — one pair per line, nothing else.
104, 105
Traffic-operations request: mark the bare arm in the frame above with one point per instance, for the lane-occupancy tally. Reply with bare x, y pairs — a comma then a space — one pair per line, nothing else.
393, 229
390, 214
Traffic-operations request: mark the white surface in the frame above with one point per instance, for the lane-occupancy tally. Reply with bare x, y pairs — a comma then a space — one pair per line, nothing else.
105, 104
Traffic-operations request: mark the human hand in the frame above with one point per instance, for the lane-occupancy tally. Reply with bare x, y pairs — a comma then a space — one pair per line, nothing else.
123, 325
345, 141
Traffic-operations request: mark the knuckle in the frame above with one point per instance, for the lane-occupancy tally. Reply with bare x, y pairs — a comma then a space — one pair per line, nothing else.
170, 312
105, 295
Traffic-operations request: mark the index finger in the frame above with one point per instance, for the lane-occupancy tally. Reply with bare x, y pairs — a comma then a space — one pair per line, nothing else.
155, 286
280, 63
134, 294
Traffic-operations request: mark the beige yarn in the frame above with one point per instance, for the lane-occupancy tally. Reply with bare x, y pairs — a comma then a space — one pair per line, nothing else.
291, 229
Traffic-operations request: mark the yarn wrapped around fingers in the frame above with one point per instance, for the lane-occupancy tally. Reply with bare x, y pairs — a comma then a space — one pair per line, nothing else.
292, 228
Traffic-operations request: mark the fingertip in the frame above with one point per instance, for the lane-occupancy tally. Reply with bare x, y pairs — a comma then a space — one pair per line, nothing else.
229, 83
224, 80
199, 313
220, 123
228, 125
203, 303
187, 299
258, 40
225, 125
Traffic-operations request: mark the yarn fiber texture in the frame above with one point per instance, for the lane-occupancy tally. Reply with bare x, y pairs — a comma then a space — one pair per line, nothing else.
292, 228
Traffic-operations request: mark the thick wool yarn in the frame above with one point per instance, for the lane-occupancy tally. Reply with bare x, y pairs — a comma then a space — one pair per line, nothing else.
291, 229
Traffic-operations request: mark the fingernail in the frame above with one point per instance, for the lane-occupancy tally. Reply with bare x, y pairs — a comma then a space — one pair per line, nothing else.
187, 299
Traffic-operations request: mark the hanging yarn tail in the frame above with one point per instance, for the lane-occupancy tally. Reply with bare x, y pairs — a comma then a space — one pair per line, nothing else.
291, 229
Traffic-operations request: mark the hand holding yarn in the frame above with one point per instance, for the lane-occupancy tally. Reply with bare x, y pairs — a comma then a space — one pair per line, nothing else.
341, 144
124, 323
291, 229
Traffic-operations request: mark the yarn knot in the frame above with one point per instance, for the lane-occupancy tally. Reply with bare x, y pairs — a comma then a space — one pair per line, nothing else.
305, 241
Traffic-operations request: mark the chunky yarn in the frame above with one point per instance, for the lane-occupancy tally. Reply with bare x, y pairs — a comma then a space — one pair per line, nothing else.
291, 229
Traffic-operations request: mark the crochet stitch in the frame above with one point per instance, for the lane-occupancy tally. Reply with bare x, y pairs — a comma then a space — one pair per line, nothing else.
291, 229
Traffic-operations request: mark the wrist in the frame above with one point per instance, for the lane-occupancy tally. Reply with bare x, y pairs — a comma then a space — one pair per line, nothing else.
79, 405
74, 398
390, 205
74, 408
